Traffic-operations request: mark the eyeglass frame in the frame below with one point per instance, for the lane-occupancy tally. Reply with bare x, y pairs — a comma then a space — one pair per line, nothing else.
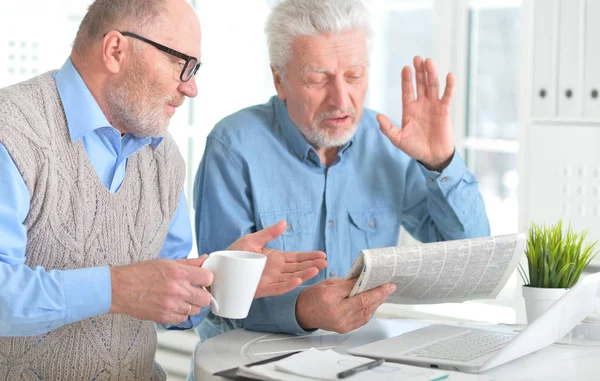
170, 51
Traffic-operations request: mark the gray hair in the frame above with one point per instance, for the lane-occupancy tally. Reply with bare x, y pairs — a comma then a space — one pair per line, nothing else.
106, 15
294, 18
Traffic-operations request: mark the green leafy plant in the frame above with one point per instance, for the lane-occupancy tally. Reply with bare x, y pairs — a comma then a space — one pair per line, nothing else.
555, 259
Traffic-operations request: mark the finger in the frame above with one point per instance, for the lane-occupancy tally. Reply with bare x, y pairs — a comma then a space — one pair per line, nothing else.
185, 308
297, 256
305, 274
200, 276
294, 267
433, 82
449, 90
344, 286
195, 310
387, 127
374, 297
408, 91
278, 288
360, 318
420, 78
197, 296
176, 318
200, 297
262, 237
196, 262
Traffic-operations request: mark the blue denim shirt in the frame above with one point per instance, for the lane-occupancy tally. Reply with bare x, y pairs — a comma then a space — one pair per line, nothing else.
258, 169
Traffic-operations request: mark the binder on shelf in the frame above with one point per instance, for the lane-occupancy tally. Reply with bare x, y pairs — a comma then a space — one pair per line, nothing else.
570, 87
545, 54
591, 79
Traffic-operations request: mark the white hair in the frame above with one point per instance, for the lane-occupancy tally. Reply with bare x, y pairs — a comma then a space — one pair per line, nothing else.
294, 18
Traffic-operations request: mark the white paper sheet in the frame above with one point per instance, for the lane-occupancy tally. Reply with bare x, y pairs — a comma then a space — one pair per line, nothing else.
314, 364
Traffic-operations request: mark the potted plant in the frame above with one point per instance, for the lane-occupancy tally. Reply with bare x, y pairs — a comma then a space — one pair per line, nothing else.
555, 262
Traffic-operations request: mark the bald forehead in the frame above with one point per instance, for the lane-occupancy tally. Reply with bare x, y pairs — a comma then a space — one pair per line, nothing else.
179, 28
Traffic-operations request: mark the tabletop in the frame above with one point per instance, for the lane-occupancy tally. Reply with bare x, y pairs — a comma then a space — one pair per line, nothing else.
238, 347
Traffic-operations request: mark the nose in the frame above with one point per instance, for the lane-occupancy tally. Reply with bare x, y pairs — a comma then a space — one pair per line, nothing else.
338, 94
188, 88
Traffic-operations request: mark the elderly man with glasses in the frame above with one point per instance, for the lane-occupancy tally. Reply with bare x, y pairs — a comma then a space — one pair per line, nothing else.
94, 227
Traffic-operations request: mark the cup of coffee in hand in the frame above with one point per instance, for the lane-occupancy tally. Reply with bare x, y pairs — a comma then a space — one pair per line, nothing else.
236, 277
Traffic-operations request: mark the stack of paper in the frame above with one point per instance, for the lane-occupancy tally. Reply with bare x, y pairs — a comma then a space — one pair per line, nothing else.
315, 364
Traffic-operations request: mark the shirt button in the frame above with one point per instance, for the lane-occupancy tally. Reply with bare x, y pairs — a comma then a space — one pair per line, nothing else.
301, 156
332, 273
444, 179
288, 227
430, 179
372, 224
330, 223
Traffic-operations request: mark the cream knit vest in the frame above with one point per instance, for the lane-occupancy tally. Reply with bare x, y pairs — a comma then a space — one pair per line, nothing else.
75, 222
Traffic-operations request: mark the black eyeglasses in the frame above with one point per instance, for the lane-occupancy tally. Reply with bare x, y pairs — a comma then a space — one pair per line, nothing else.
191, 63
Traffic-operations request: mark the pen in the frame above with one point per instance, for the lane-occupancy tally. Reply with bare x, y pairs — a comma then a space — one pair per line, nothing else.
360, 368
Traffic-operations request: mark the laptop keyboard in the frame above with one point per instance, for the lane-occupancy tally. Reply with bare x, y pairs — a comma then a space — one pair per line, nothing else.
466, 347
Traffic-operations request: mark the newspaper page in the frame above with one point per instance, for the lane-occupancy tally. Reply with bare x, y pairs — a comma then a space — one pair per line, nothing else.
440, 272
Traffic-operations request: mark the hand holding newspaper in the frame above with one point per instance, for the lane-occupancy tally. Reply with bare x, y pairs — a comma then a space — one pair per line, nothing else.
440, 272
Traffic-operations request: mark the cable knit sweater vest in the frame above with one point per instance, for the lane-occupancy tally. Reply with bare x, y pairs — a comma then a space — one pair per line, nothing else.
75, 222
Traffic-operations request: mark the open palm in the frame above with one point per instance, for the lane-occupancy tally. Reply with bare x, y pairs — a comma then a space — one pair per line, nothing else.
426, 133
284, 270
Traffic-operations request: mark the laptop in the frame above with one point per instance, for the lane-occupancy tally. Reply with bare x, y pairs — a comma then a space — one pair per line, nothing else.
476, 350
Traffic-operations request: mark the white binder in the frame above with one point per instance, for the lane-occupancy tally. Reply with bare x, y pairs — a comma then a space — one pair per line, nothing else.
591, 82
545, 56
570, 90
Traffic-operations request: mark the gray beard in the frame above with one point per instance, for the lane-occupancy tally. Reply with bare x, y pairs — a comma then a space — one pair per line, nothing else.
319, 138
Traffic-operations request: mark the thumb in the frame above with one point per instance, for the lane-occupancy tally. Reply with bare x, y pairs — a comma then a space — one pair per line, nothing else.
387, 127
262, 237
196, 262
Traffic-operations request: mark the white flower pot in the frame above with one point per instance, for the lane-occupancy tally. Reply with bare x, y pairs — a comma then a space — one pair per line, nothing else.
537, 300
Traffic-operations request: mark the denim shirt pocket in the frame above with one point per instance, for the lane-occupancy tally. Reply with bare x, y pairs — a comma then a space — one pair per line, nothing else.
299, 226
374, 228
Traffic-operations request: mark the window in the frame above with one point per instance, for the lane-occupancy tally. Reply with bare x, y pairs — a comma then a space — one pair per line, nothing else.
402, 30
491, 101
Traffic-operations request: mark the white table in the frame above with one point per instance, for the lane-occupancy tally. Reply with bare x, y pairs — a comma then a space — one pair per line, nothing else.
234, 348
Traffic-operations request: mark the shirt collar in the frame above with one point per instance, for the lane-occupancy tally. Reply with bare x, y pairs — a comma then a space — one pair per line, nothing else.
81, 109
297, 141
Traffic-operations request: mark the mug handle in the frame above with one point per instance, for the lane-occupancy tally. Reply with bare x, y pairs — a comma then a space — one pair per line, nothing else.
211, 263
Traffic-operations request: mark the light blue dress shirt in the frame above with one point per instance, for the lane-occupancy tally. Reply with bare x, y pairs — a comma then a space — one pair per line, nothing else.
35, 301
258, 169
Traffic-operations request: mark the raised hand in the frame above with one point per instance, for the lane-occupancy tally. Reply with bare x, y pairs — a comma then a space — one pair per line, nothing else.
426, 133
283, 271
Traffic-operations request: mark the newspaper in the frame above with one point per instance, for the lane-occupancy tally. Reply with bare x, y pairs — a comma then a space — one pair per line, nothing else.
440, 272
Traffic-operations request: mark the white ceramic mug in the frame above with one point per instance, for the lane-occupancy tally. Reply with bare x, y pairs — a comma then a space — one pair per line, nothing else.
236, 277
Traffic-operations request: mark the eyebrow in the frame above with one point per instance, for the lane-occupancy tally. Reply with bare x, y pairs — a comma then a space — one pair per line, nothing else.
356, 63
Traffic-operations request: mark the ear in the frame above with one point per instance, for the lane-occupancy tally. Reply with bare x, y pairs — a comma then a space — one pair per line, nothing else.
115, 51
278, 82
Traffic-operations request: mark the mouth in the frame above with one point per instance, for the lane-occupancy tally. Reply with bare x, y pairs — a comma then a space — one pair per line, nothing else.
338, 120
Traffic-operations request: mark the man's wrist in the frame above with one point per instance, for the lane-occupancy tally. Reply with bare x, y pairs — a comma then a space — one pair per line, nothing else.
302, 321
439, 167
115, 276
